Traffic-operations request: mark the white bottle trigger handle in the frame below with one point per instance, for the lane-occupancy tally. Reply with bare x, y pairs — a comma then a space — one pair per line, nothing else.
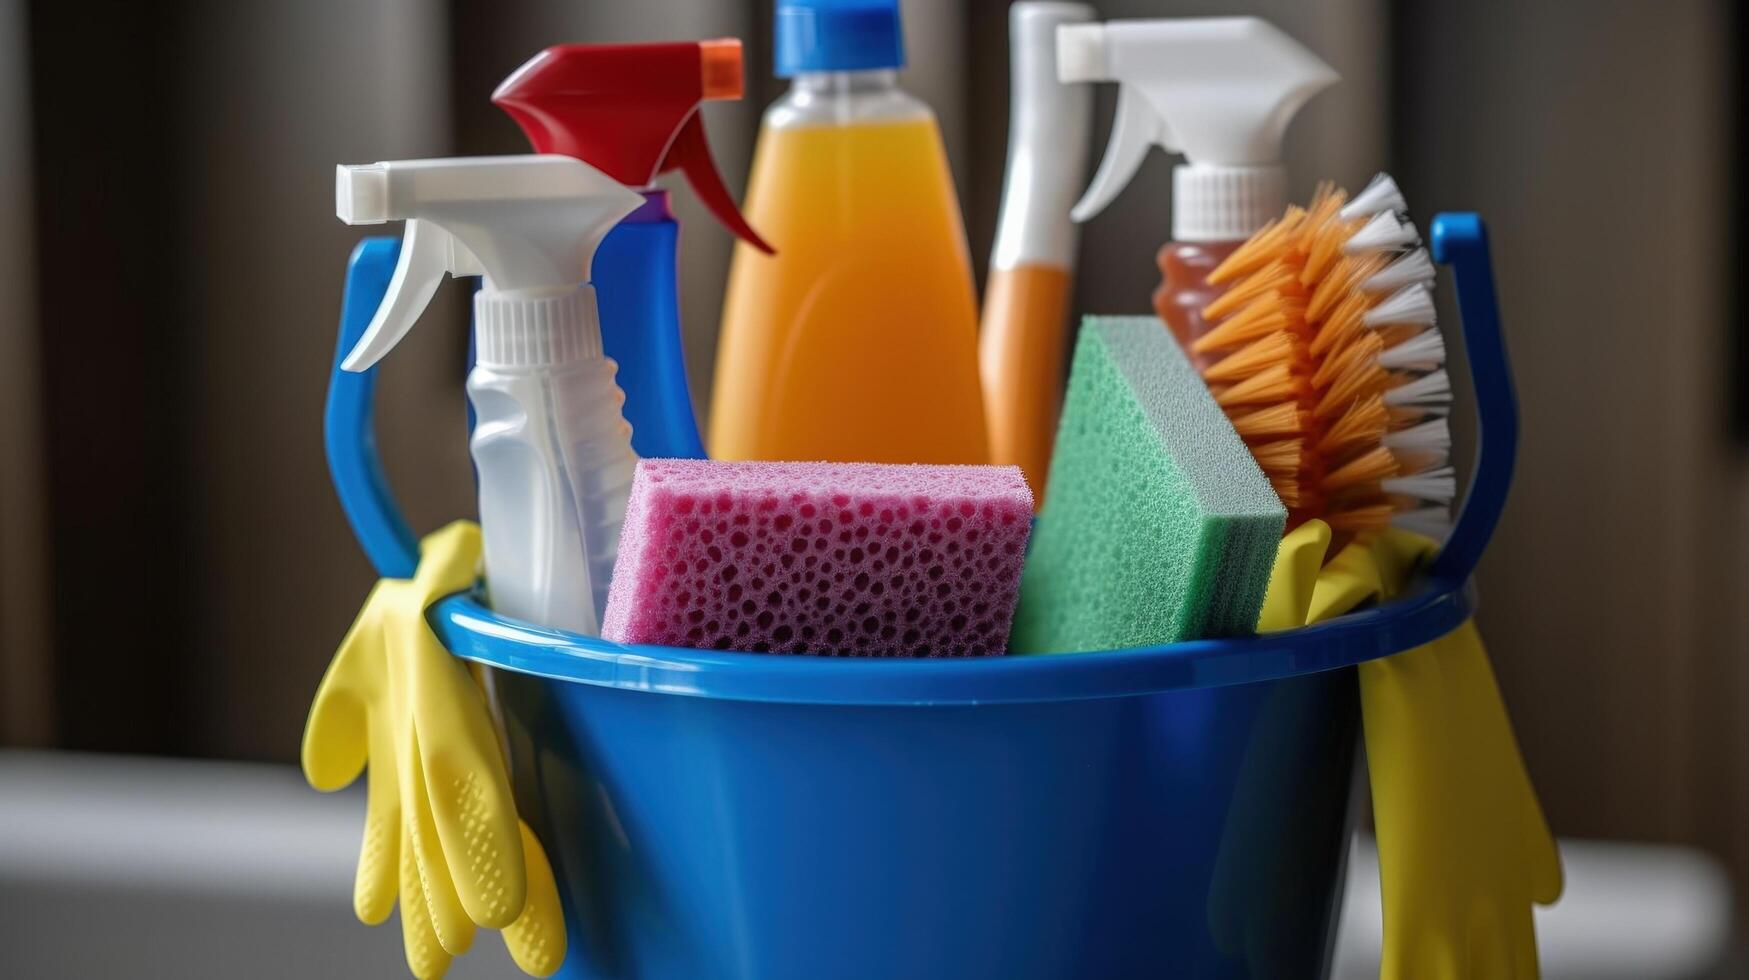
1136, 127
428, 253
529, 224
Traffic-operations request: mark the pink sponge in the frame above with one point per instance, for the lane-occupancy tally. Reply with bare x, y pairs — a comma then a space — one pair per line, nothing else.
833, 558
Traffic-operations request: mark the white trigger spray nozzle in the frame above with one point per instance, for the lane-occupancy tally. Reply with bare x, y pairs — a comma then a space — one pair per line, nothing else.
1221, 90
529, 224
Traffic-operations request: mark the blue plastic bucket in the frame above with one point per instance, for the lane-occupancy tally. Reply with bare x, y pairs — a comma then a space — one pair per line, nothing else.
1192, 833
1179, 810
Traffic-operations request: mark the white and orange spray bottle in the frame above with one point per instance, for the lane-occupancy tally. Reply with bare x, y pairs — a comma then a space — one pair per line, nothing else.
1220, 90
1024, 338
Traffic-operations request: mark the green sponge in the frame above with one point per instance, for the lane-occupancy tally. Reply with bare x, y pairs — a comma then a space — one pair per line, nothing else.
1158, 526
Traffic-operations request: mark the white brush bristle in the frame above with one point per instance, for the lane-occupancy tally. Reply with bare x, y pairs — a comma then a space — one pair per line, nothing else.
1380, 195
1385, 231
1430, 522
1413, 268
1423, 439
1410, 306
1422, 352
1427, 391
1437, 485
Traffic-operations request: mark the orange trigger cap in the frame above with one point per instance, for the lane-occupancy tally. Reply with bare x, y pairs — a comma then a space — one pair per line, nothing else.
719, 69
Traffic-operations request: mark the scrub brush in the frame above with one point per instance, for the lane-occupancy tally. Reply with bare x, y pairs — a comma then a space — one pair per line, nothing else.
1329, 362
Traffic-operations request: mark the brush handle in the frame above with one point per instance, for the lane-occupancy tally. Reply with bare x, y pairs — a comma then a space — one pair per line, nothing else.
1460, 240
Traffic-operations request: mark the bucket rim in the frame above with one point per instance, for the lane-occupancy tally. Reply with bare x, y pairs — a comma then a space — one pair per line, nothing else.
471, 631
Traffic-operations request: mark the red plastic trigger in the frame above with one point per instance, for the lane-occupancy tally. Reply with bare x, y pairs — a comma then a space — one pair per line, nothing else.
691, 155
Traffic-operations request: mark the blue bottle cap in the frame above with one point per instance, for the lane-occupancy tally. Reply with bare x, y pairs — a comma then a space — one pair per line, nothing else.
837, 35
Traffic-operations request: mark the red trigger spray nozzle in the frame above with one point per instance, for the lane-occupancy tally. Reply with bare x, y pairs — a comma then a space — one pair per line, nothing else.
631, 111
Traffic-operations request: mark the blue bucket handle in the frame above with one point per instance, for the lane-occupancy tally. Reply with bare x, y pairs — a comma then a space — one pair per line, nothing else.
1440, 604
349, 421
1461, 241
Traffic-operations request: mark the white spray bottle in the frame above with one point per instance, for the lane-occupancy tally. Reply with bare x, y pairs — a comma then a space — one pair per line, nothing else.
552, 449
1220, 90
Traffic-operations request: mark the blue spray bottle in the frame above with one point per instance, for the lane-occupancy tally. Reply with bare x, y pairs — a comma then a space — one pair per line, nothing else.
631, 111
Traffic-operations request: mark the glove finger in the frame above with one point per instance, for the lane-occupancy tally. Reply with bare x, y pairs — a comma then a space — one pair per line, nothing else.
1548, 879
335, 736
472, 804
536, 939
379, 857
455, 931
425, 955
335, 745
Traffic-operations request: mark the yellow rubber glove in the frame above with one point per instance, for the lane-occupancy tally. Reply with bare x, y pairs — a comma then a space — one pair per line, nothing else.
1464, 849
439, 798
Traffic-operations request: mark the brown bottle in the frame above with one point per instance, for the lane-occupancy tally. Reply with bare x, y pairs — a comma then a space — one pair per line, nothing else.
1184, 290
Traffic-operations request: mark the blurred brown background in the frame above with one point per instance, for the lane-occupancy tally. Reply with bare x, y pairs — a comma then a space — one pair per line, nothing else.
175, 571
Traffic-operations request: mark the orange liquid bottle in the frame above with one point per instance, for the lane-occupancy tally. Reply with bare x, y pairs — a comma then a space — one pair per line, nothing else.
858, 341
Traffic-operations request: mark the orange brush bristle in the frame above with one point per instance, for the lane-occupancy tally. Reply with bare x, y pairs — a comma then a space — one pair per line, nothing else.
1260, 249
1326, 358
